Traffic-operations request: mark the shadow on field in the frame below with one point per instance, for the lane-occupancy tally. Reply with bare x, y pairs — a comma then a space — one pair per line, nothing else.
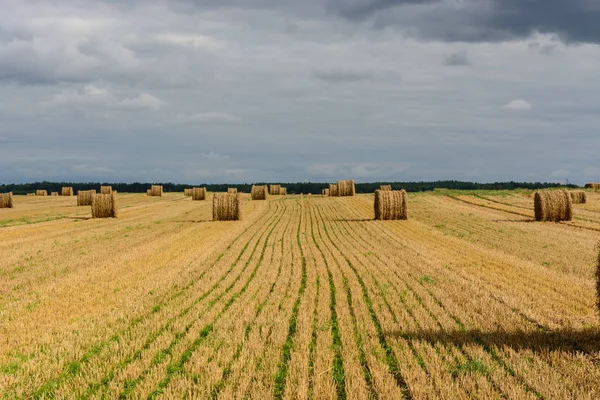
587, 341
527, 221
193, 221
81, 218
351, 219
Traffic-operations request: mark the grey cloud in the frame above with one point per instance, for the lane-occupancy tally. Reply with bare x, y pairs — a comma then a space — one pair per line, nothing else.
458, 58
341, 75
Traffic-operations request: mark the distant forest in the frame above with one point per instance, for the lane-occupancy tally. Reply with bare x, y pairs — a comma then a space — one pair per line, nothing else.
292, 188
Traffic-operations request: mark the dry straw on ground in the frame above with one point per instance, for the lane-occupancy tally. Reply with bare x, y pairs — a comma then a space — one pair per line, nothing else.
553, 205
598, 278
578, 197
231, 190
275, 190
333, 189
283, 191
6, 200
227, 207
259, 192
67, 191
199, 193
187, 192
105, 205
41, 193
30, 194
390, 204
84, 197
55, 194
105, 189
592, 185
385, 187
155, 191
346, 188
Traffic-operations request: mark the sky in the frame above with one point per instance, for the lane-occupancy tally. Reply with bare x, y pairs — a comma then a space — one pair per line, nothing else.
240, 91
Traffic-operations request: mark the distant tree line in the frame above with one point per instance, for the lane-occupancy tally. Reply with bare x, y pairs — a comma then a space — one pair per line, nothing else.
292, 188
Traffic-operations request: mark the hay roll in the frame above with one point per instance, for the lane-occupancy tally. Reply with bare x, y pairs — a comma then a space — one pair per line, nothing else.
232, 190
283, 191
259, 192
227, 207
592, 185
67, 191
385, 187
155, 190
553, 205
199, 193
105, 189
6, 200
187, 192
105, 205
390, 205
41, 193
275, 190
54, 194
333, 189
84, 197
346, 188
578, 197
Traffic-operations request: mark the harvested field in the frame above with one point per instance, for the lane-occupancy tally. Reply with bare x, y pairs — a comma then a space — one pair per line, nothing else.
54, 194
305, 297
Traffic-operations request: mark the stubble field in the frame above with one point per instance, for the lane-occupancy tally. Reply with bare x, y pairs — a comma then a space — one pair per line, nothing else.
307, 297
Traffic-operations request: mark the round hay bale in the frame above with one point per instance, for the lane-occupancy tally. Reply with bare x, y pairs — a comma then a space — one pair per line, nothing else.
578, 197
54, 194
199, 193
232, 190
84, 197
105, 189
105, 205
155, 190
333, 189
187, 192
275, 190
283, 191
385, 187
553, 205
390, 204
6, 200
259, 192
592, 185
41, 193
346, 188
227, 207
67, 191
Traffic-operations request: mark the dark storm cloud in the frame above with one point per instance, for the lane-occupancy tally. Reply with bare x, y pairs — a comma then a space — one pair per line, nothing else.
457, 59
448, 20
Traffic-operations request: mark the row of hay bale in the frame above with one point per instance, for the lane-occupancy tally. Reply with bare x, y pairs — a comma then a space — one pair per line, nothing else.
342, 188
557, 205
592, 185
277, 190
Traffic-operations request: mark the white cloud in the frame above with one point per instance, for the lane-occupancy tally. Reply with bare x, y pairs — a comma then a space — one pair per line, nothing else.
193, 40
142, 101
212, 116
518, 105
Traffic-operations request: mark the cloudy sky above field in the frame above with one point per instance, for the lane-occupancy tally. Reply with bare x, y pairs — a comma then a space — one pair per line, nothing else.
285, 90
